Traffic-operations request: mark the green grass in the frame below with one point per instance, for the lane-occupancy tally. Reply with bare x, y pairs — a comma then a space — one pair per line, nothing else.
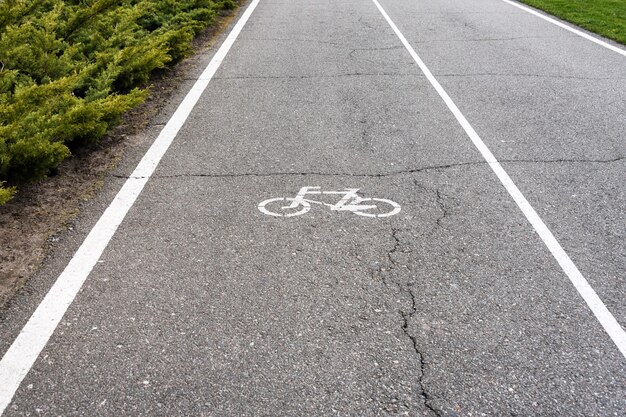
605, 17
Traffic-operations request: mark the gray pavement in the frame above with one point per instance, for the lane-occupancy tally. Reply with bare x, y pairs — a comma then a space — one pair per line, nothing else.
202, 305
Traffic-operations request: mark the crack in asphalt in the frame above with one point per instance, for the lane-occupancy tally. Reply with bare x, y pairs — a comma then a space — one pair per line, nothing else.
396, 74
324, 42
392, 262
529, 75
406, 317
442, 207
388, 48
405, 328
563, 160
316, 76
515, 38
292, 40
367, 24
382, 48
377, 175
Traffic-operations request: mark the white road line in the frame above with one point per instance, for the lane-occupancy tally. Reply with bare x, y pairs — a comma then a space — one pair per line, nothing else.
567, 27
604, 316
22, 354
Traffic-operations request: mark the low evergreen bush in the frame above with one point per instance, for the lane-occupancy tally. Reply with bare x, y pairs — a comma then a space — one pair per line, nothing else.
70, 68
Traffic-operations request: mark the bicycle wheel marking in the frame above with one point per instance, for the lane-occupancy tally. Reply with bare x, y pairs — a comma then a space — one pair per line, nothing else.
273, 205
349, 201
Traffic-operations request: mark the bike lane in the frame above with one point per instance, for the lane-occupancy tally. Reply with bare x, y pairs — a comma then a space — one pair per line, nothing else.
203, 305
550, 106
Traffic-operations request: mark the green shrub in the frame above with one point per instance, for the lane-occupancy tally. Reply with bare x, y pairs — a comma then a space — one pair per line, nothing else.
6, 193
70, 68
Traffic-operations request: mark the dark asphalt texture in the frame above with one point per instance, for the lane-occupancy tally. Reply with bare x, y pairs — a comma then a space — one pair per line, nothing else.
202, 305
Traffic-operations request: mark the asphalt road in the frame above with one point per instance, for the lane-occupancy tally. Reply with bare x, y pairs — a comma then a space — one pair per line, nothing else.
203, 305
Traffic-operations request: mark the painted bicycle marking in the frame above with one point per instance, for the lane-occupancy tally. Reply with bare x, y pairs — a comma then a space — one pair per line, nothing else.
349, 201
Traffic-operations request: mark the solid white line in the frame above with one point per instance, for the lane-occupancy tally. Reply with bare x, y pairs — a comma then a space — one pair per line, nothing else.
22, 354
604, 316
567, 27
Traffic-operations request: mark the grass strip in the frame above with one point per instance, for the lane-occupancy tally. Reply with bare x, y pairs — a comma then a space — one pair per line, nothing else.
604, 17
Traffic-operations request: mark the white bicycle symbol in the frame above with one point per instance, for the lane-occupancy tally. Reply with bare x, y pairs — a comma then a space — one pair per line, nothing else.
349, 202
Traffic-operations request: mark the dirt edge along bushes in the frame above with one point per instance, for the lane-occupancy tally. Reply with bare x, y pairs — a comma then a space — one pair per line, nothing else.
69, 69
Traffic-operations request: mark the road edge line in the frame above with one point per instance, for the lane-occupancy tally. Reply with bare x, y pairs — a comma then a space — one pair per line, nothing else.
567, 27
28, 345
597, 306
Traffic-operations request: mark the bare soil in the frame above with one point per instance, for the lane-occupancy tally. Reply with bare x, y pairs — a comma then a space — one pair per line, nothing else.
29, 222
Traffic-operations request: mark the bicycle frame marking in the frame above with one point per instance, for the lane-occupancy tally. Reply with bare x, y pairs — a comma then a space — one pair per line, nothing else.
349, 194
349, 201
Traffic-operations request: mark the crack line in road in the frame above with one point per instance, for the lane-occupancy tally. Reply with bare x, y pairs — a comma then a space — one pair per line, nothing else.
378, 175
393, 269
317, 76
527, 75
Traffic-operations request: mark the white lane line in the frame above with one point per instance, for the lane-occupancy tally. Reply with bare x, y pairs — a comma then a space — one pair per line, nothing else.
22, 354
604, 316
567, 27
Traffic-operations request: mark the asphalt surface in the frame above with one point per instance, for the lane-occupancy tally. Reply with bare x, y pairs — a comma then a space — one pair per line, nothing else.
203, 305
